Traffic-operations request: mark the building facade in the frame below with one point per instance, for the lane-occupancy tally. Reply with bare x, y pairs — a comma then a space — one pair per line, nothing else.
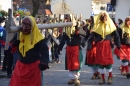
44, 8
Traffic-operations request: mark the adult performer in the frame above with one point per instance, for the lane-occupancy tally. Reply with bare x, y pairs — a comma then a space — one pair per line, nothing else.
91, 54
124, 52
102, 34
74, 57
33, 55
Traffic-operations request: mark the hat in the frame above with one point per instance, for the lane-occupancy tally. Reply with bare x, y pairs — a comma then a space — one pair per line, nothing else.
1, 19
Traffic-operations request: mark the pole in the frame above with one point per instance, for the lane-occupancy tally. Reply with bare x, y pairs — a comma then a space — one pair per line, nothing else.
14, 29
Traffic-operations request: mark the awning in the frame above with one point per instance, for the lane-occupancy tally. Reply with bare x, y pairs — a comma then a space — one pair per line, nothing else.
48, 12
45, 11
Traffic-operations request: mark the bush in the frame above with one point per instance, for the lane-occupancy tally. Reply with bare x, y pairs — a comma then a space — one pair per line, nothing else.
4, 13
22, 13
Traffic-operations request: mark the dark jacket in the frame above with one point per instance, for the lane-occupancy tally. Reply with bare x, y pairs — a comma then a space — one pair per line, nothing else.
125, 40
39, 52
97, 37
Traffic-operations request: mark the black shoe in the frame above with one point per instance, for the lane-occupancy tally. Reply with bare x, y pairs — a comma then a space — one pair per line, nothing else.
57, 60
4, 69
127, 75
9, 76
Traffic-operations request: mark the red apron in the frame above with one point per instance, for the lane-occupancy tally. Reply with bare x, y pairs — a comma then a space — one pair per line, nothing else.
123, 53
72, 53
91, 55
26, 75
104, 53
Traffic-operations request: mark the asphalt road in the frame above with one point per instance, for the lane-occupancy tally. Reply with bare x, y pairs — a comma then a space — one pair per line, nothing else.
57, 76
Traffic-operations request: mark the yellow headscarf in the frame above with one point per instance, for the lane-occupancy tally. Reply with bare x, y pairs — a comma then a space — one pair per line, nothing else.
125, 29
70, 30
104, 29
87, 23
27, 42
95, 19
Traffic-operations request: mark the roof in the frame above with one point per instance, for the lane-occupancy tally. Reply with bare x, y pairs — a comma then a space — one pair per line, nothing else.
45, 12
48, 12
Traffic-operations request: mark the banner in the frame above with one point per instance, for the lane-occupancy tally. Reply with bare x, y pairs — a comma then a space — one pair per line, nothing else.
110, 8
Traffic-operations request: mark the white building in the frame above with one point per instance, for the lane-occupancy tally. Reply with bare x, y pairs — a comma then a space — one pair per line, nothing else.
122, 8
103, 5
5, 5
97, 4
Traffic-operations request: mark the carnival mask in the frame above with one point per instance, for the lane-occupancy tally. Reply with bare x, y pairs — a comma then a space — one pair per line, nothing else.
127, 21
67, 18
103, 17
26, 26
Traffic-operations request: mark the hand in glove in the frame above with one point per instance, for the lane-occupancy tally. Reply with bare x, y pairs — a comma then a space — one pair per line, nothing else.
43, 66
59, 50
118, 48
83, 45
16, 43
83, 42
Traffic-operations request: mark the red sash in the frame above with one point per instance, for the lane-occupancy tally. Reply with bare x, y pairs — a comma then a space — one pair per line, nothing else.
3, 43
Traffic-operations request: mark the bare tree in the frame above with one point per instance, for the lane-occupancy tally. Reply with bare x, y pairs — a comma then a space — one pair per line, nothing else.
62, 8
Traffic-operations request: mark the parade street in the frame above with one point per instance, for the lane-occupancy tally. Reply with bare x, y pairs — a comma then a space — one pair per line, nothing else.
57, 76
64, 42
